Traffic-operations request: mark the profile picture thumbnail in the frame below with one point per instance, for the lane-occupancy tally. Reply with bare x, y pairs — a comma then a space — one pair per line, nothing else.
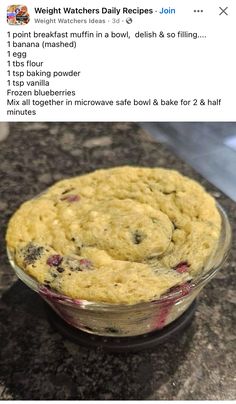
17, 15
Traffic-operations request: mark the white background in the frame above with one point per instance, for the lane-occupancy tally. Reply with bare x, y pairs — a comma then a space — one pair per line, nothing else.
140, 69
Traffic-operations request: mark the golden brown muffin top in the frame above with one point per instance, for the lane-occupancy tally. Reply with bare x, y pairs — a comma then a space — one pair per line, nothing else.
120, 235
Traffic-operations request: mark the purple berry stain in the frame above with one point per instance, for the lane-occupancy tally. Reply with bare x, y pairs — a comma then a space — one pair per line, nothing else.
182, 267
85, 263
54, 260
71, 198
163, 315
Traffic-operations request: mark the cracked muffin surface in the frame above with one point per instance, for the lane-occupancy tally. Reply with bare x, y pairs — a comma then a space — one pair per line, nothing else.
119, 235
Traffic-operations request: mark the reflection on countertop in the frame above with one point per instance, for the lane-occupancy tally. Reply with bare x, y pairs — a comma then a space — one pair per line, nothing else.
38, 363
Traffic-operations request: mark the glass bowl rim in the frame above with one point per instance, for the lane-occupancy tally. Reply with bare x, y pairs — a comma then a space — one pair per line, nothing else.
175, 295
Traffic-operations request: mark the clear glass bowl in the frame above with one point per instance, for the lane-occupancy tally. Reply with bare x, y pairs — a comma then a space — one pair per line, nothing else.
130, 320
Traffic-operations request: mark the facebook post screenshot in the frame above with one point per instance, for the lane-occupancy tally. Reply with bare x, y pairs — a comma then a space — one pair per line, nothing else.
117, 200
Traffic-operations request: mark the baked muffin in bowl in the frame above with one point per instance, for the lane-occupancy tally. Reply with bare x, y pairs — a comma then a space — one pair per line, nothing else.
121, 251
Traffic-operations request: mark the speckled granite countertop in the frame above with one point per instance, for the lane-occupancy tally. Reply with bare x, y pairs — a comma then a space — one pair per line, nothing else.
35, 361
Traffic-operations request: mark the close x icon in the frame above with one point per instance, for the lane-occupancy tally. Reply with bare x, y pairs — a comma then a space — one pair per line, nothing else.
223, 10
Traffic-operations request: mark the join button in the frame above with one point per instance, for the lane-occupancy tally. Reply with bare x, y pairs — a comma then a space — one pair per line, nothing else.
168, 10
